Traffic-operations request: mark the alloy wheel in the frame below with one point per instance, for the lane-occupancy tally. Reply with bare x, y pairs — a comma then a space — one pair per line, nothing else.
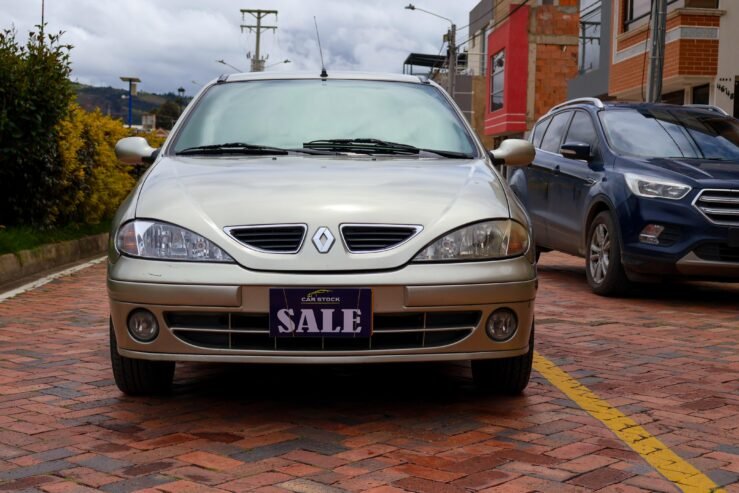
600, 253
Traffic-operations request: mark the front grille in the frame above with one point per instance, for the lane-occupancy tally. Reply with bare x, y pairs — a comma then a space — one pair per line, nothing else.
250, 331
719, 206
718, 252
273, 238
365, 238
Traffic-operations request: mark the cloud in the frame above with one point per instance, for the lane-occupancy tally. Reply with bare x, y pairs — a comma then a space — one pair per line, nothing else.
170, 43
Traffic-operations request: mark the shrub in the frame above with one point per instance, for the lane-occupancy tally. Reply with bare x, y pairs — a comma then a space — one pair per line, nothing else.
95, 182
35, 92
57, 161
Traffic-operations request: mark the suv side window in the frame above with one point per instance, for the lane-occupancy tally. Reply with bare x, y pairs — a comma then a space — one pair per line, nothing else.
553, 137
582, 130
539, 132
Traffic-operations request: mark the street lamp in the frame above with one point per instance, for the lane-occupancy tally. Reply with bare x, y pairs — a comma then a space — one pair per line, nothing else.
278, 63
132, 81
224, 62
451, 82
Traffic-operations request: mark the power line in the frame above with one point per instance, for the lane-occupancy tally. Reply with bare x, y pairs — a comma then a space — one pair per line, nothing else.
431, 69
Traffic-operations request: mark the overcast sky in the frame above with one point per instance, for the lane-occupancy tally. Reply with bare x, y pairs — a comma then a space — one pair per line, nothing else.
173, 43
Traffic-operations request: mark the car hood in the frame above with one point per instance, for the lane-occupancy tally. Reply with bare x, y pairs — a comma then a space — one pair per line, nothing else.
698, 169
206, 195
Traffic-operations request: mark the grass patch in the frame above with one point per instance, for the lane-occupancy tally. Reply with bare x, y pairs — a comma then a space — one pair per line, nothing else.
15, 239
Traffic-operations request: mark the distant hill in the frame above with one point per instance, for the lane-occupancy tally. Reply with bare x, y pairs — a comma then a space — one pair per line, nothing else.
114, 102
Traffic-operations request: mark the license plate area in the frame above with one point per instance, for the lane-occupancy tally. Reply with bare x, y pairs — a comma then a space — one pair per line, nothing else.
320, 312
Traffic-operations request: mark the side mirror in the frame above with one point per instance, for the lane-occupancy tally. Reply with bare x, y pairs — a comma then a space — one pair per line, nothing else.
514, 152
134, 150
576, 150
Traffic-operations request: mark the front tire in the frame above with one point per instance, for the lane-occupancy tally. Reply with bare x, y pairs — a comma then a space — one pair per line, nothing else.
603, 267
138, 376
504, 376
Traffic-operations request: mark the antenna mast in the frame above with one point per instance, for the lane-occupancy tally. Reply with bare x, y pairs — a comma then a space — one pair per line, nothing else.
324, 74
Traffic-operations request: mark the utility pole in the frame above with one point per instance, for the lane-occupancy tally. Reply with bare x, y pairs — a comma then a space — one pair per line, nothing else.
451, 38
452, 76
657, 51
257, 62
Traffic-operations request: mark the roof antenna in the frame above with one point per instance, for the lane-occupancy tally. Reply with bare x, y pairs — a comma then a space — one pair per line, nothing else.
324, 74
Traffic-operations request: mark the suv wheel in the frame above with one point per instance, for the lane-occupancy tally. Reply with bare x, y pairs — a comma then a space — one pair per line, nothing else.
504, 376
603, 269
138, 376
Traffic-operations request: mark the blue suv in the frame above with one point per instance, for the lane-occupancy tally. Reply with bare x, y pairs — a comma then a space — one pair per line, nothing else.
642, 191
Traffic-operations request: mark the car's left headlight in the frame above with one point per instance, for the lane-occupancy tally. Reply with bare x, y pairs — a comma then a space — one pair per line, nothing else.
487, 240
646, 186
164, 241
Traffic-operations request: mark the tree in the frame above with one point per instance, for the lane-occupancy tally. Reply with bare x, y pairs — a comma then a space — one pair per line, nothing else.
167, 114
35, 93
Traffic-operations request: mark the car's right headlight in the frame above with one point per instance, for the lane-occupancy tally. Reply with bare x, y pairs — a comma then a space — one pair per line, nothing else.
163, 241
487, 240
646, 186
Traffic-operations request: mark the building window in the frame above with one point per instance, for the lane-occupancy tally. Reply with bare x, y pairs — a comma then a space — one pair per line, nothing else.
676, 97
589, 52
701, 4
636, 10
701, 94
497, 71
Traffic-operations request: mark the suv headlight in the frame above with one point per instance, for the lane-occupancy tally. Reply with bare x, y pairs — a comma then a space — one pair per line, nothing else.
488, 240
162, 241
646, 186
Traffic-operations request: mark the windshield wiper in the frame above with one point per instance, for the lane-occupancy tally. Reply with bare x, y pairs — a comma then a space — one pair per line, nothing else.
364, 146
378, 146
232, 148
244, 148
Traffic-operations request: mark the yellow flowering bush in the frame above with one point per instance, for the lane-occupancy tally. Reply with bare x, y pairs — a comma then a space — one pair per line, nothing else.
94, 181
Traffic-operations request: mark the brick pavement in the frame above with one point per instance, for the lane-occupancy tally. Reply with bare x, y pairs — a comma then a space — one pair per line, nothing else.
667, 357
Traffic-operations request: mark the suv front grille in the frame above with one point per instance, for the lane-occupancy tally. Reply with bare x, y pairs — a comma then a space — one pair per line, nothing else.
272, 238
719, 206
718, 252
366, 238
250, 331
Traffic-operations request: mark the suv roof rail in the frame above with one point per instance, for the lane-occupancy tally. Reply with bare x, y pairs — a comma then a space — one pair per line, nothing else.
709, 107
594, 101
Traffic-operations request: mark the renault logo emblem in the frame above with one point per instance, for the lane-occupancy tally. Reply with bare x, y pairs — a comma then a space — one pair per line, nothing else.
323, 239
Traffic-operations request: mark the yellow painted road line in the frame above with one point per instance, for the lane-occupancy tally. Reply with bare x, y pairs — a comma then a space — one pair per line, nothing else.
656, 453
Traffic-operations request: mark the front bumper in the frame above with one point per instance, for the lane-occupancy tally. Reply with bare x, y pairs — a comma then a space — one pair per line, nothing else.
690, 242
172, 290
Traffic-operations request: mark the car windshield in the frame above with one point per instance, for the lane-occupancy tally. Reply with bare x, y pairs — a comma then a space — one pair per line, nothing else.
672, 133
290, 113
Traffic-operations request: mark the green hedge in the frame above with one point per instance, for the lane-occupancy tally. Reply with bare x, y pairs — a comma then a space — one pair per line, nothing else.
57, 161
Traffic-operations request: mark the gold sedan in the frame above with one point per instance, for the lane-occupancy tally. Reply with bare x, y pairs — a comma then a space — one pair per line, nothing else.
307, 219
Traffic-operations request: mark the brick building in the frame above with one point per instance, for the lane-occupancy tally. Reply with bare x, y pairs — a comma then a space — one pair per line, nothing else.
701, 55
530, 54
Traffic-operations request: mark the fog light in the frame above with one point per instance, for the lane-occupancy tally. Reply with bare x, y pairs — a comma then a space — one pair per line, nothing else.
650, 234
142, 325
502, 324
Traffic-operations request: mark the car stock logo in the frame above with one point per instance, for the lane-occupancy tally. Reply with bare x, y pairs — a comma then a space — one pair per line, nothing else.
323, 239
321, 297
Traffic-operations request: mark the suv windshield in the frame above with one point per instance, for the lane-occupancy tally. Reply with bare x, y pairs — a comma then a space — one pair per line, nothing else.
287, 114
672, 133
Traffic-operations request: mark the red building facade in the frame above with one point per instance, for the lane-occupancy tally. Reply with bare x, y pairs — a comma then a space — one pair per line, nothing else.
531, 54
